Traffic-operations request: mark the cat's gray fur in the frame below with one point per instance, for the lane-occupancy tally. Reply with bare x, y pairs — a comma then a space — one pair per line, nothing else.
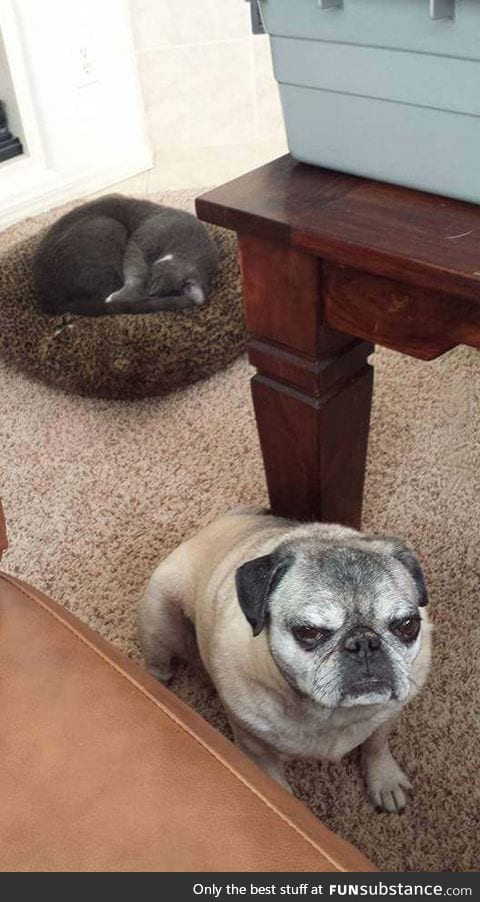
122, 255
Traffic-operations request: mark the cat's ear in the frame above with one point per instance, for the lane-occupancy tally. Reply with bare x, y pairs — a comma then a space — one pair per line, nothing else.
193, 290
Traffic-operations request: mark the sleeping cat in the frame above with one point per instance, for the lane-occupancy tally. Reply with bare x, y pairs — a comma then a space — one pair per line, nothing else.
121, 255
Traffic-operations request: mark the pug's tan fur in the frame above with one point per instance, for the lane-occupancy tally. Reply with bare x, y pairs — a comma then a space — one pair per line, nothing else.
284, 701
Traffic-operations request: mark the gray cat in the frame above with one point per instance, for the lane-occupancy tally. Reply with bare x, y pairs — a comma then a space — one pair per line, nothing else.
122, 255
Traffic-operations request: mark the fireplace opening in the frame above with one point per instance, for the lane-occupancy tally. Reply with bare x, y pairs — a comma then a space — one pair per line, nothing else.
12, 138
10, 145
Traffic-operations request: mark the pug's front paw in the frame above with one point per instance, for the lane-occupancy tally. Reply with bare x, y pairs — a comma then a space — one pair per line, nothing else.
387, 785
162, 674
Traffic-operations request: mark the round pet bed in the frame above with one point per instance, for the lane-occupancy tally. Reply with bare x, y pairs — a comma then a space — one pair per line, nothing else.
120, 356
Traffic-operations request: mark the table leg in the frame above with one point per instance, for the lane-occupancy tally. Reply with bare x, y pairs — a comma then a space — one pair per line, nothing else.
313, 390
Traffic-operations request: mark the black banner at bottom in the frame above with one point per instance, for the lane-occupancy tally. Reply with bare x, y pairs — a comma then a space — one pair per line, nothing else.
185, 887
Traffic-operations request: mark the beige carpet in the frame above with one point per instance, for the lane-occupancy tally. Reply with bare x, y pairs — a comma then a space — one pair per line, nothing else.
97, 492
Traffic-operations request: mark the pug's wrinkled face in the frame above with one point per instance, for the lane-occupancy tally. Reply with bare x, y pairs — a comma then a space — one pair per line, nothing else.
343, 621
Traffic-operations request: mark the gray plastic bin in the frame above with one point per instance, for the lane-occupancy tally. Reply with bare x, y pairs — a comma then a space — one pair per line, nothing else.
388, 89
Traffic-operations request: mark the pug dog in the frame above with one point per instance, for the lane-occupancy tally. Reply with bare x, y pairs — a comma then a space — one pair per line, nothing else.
314, 635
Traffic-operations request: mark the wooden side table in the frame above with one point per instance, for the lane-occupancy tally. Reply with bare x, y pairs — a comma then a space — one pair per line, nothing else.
332, 264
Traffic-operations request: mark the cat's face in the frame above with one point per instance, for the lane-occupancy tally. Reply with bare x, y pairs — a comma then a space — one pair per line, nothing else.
172, 277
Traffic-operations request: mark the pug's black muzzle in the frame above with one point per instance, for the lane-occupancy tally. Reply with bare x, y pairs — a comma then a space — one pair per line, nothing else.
366, 666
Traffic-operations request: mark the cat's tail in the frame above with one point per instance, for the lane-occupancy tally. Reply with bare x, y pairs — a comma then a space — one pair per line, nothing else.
118, 305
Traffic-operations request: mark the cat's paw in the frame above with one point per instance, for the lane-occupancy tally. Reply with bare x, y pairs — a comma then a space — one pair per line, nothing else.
123, 294
112, 297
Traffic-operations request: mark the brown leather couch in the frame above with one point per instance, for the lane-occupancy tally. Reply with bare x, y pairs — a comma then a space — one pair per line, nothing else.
103, 769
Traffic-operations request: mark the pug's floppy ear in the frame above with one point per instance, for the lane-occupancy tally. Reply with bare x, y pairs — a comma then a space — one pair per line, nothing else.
412, 564
255, 582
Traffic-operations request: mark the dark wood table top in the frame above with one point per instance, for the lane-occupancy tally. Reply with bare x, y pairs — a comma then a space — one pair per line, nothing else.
421, 239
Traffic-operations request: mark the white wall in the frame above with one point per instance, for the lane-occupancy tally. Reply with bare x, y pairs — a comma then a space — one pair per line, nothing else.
84, 129
84, 120
210, 97
204, 81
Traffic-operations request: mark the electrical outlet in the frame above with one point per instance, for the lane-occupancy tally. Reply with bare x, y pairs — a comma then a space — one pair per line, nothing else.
87, 70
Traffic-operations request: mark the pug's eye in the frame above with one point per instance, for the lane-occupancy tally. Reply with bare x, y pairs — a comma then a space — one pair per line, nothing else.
408, 629
310, 635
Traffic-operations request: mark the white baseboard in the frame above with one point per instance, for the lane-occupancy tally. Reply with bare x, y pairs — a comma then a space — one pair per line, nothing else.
26, 190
